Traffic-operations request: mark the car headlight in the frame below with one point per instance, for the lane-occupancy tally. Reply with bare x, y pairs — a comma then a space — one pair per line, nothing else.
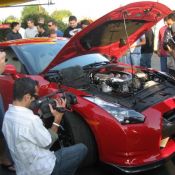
123, 115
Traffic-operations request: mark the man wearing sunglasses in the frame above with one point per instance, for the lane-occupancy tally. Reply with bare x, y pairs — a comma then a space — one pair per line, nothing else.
29, 141
52, 25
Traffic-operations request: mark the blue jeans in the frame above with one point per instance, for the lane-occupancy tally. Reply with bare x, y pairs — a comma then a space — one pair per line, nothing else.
68, 159
145, 60
135, 57
163, 64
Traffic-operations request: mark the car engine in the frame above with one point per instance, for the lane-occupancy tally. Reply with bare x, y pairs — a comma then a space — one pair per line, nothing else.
137, 90
122, 82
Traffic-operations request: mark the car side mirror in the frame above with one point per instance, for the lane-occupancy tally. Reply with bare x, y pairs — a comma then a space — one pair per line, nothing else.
122, 42
10, 69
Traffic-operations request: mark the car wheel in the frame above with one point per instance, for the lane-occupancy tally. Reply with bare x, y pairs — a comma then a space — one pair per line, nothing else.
77, 131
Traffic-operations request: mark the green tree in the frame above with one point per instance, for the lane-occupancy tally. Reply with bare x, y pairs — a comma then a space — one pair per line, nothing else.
33, 10
61, 25
35, 17
59, 15
11, 19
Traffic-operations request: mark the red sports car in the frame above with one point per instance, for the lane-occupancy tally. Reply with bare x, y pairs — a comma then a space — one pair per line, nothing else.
125, 114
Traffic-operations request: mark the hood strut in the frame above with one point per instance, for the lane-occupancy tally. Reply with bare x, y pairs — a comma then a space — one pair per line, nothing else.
129, 46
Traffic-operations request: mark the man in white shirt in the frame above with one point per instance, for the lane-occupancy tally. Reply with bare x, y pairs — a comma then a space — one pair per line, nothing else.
134, 53
29, 140
31, 31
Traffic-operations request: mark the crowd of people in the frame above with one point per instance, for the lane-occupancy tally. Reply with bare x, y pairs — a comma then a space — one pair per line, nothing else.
141, 51
50, 29
29, 150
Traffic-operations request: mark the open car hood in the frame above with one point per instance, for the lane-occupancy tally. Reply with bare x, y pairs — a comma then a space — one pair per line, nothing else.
108, 36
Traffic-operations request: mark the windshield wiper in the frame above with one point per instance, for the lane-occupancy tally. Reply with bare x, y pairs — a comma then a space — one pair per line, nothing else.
96, 64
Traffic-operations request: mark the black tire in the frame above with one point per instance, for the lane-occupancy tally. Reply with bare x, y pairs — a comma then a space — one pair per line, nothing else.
77, 131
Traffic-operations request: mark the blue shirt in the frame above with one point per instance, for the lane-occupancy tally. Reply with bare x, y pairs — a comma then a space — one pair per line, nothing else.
59, 33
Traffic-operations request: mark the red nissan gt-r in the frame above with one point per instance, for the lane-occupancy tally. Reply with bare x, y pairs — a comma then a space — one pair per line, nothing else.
124, 114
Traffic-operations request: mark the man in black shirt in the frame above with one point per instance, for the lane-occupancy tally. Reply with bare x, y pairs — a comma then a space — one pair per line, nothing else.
73, 28
14, 33
147, 49
42, 32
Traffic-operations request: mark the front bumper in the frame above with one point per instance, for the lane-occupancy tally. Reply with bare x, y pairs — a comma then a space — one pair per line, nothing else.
142, 168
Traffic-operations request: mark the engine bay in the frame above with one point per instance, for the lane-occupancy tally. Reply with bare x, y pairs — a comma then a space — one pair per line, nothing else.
117, 84
123, 83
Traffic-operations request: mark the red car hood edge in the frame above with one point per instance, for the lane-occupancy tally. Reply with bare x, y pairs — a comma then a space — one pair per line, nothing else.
136, 11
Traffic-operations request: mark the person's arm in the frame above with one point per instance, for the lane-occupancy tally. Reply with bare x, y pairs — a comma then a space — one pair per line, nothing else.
57, 119
57, 115
41, 136
159, 43
142, 42
54, 137
171, 51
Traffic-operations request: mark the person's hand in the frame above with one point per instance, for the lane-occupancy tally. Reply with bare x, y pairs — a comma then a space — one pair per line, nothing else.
58, 115
2, 62
133, 46
169, 48
157, 52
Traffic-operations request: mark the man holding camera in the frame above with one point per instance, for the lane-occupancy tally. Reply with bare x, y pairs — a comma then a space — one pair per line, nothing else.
169, 42
29, 141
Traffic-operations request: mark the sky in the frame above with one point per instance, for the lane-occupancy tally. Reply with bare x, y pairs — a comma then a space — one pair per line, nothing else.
81, 8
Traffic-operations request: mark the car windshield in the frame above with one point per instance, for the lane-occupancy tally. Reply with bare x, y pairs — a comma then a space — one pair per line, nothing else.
37, 57
82, 61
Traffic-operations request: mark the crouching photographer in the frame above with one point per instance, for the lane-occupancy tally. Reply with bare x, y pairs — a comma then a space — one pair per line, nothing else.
29, 141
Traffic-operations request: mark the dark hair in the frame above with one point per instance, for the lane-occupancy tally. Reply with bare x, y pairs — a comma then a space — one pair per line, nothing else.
171, 16
72, 18
31, 20
85, 22
23, 86
42, 26
53, 22
166, 18
13, 25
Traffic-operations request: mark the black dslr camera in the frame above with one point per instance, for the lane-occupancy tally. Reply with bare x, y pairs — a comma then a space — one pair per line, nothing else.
169, 38
43, 104
170, 42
